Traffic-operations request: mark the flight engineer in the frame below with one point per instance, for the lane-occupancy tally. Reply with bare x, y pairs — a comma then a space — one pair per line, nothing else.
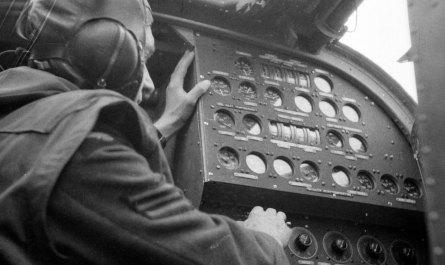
83, 176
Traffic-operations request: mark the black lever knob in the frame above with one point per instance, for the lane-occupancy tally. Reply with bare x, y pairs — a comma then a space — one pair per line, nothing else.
303, 241
408, 253
374, 249
339, 245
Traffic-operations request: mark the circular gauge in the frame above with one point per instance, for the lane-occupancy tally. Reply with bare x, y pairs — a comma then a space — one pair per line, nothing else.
366, 180
412, 188
371, 250
389, 184
351, 113
303, 243
244, 66
220, 86
256, 163
224, 119
247, 90
303, 103
252, 124
337, 246
273, 95
228, 158
309, 171
403, 253
328, 108
334, 139
323, 84
358, 144
283, 167
341, 176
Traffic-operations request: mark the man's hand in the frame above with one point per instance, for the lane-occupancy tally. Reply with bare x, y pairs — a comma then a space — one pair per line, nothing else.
179, 104
270, 222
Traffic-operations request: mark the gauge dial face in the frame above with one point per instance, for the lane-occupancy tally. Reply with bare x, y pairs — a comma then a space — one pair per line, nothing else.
247, 90
341, 176
412, 188
228, 158
323, 84
252, 124
334, 139
244, 67
327, 108
389, 184
309, 171
224, 119
273, 95
358, 144
303, 104
366, 181
351, 113
256, 163
220, 86
283, 168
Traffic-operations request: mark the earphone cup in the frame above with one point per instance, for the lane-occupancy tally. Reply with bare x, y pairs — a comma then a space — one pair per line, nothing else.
104, 49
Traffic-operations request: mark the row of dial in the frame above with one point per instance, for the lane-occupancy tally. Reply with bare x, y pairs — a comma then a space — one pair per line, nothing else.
275, 97
338, 247
252, 125
310, 172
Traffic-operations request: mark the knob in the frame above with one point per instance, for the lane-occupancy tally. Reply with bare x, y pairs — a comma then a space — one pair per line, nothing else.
374, 249
303, 241
408, 253
339, 245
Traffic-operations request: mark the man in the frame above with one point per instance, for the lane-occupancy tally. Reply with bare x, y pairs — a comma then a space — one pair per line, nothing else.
83, 178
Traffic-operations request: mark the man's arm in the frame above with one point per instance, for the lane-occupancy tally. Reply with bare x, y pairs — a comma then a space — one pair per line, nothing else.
109, 207
179, 104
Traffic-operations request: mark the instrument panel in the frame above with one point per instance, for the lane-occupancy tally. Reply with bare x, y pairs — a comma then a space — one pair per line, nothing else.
289, 132
276, 122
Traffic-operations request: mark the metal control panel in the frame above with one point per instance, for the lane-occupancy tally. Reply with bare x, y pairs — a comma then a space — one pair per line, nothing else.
290, 132
277, 122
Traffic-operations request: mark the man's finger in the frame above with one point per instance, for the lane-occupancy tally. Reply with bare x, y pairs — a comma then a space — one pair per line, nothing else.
177, 77
198, 90
281, 215
271, 211
256, 209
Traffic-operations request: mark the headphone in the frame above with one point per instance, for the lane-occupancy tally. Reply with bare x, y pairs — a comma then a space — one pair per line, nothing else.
101, 54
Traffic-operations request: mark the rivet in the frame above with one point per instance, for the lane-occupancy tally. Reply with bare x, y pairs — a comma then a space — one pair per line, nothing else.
218, 167
333, 184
